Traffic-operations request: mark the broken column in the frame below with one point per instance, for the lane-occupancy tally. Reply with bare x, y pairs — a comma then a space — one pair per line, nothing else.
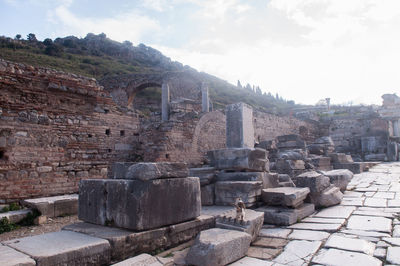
151, 195
239, 126
165, 99
205, 100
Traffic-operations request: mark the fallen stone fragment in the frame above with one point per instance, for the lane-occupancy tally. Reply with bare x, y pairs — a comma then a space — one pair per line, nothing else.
285, 216
285, 196
313, 180
298, 252
328, 197
214, 247
150, 171
339, 178
336, 257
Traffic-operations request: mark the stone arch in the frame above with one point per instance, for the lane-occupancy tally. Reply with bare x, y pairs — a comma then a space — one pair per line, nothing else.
209, 134
132, 91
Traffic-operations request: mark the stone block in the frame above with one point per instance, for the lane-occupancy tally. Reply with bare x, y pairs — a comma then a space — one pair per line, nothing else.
227, 192
208, 195
285, 196
271, 180
151, 171
207, 175
285, 181
11, 257
356, 168
241, 176
284, 215
119, 169
283, 164
290, 137
64, 248
291, 155
340, 158
126, 243
214, 247
392, 151
339, 178
329, 197
15, 216
138, 205
142, 259
313, 180
239, 126
251, 224
292, 144
54, 206
239, 159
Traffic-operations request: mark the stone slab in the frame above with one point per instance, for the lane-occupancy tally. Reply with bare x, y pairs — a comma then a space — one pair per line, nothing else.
239, 126
217, 211
248, 261
64, 248
214, 247
15, 216
336, 257
126, 243
241, 176
285, 216
394, 241
324, 220
269, 242
207, 175
375, 202
138, 205
335, 212
11, 257
54, 206
309, 235
284, 196
275, 232
350, 244
263, 253
151, 171
239, 159
370, 223
316, 226
393, 255
298, 252
363, 233
142, 259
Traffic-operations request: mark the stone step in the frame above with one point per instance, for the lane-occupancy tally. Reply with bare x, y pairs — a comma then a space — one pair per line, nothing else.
15, 216
285, 196
54, 206
64, 248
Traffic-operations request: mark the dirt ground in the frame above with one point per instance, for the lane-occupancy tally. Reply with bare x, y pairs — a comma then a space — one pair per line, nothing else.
52, 225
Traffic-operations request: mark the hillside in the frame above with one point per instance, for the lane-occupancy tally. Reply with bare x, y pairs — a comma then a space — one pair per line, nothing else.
99, 57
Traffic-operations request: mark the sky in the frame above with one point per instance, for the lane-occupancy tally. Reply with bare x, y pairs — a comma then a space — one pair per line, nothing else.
304, 50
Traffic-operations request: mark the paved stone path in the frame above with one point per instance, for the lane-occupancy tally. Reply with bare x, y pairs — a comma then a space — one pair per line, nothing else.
363, 230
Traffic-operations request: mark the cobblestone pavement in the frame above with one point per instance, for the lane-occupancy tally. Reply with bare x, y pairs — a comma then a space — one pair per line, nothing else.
363, 230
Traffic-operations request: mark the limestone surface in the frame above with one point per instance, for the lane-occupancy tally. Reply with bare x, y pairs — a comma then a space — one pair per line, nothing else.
339, 178
215, 247
338, 257
285, 216
285, 196
150, 171
11, 257
142, 259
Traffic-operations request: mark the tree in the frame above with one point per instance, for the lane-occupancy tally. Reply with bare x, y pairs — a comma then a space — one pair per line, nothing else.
31, 37
239, 85
18, 37
47, 42
128, 43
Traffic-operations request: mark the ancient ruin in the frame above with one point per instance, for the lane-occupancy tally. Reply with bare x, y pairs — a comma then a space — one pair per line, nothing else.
161, 189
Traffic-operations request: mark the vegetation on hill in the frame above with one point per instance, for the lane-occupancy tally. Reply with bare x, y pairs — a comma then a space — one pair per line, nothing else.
98, 56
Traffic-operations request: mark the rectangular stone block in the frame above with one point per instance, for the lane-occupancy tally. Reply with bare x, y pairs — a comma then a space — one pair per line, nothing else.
285, 196
227, 192
356, 168
285, 216
241, 176
316, 182
64, 248
150, 171
207, 175
54, 206
208, 195
239, 126
126, 243
254, 160
139, 205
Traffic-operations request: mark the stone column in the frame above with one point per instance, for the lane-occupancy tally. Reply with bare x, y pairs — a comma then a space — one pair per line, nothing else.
205, 101
396, 128
165, 97
239, 126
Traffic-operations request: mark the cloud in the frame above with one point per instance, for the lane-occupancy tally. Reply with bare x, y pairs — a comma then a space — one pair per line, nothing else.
130, 25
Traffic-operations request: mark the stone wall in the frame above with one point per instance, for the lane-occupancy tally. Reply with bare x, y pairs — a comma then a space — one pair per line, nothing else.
55, 129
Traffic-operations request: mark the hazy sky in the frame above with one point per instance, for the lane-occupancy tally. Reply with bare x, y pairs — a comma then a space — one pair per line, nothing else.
305, 50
